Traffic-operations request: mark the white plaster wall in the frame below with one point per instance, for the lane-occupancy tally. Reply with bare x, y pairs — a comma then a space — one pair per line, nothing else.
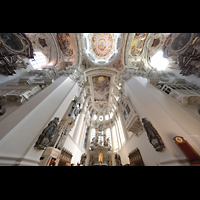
72, 146
190, 79
19, 73
167, 117
59, 113
20, 130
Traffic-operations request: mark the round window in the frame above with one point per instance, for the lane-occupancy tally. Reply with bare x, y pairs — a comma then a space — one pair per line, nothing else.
101, 118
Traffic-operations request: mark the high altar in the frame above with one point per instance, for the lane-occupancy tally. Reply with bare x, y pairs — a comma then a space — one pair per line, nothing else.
100, 154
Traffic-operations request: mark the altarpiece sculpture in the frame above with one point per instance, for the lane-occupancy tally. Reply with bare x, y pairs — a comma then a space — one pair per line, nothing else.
99, 153
83, 159
54, 136
153, 136
47, 134
118, 160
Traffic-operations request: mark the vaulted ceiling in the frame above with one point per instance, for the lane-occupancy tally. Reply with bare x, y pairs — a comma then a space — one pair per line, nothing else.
68, 46
102, 64
102, 61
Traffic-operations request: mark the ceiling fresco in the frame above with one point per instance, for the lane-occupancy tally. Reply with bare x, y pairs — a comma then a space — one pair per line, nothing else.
184, 47
101, 86
102, 44
101, 48
138, 44
65, 44
86, 64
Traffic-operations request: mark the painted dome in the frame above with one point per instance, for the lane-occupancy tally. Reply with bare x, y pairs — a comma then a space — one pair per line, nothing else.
101, 48
102, 44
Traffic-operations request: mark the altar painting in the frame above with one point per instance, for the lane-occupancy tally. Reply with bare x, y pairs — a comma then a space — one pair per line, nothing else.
101, 86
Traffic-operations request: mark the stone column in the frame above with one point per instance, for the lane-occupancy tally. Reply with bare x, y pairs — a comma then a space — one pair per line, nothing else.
117, 135
123, 125
166, 116
21, 129
112, 139
78, 127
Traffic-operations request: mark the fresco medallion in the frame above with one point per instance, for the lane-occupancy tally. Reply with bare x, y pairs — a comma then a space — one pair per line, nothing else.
102, 44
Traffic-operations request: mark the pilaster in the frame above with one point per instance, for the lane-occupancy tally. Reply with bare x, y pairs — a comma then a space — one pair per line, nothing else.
20, 129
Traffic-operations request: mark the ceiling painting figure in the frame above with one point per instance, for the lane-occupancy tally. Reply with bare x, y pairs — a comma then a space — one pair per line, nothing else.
138, 44
118, 65
65, 44
101, 86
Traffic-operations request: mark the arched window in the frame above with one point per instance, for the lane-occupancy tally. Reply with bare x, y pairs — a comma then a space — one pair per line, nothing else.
95, 117
108, 135
115, 138
107, 117
111, 114
159, 62
92, 134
